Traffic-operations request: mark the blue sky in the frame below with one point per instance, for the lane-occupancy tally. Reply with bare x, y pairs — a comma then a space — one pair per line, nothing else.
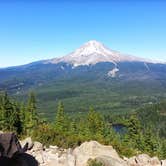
39, 29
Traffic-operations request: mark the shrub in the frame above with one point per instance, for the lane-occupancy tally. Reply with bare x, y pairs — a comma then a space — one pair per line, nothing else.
94, 162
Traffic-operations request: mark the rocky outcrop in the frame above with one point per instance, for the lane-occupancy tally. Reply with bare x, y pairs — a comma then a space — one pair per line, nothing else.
55, 156
95, 150
143, 160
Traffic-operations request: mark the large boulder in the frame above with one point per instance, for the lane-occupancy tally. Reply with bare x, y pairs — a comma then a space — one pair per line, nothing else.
92, 150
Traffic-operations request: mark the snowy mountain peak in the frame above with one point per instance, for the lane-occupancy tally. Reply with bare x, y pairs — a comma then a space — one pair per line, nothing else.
90, 48
94, 52
93, 42
93, 45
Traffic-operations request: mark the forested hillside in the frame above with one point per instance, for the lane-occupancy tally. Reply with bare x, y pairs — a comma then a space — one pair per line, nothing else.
66, 131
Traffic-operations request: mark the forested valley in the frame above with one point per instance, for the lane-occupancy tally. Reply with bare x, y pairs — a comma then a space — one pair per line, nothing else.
144, 130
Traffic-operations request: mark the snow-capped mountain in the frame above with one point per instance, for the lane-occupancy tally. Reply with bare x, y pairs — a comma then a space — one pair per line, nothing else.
89, 73
94, 52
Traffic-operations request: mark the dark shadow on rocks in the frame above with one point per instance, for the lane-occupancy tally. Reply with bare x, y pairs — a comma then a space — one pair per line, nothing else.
22, 159
1, 150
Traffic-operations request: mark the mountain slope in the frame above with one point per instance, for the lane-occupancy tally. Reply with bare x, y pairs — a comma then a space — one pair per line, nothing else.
91, 75
94, 52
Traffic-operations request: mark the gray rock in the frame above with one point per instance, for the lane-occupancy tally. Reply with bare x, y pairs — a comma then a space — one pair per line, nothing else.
37, 146
39, 157
110, 161
155, 161
54, 156
53, 149
92, 150
142, 159
132, 161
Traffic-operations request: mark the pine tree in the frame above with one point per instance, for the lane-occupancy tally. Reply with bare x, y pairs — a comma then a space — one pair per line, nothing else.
73, 127
163, 149
2, 118
10, 119
17, 123
8, 110
151, 145
32, 104
22, 117
95, 122
60, 120
31, 118
135, 133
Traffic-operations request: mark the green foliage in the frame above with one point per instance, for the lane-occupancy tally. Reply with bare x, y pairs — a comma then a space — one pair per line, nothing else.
154, 117
60, 120
94, 162
151, 144
68, 131
17, 117
95, 122
30, 115
45, 133
162, 152
10, 114
106, 95
135, 132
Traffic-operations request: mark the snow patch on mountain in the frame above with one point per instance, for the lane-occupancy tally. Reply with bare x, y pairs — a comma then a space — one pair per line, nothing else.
112, 73
147, 67
62, 67
94, 52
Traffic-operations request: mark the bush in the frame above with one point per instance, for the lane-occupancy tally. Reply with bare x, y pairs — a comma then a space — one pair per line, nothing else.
94, 162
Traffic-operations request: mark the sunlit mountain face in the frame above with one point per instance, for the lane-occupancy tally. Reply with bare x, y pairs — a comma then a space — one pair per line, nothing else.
94, 52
